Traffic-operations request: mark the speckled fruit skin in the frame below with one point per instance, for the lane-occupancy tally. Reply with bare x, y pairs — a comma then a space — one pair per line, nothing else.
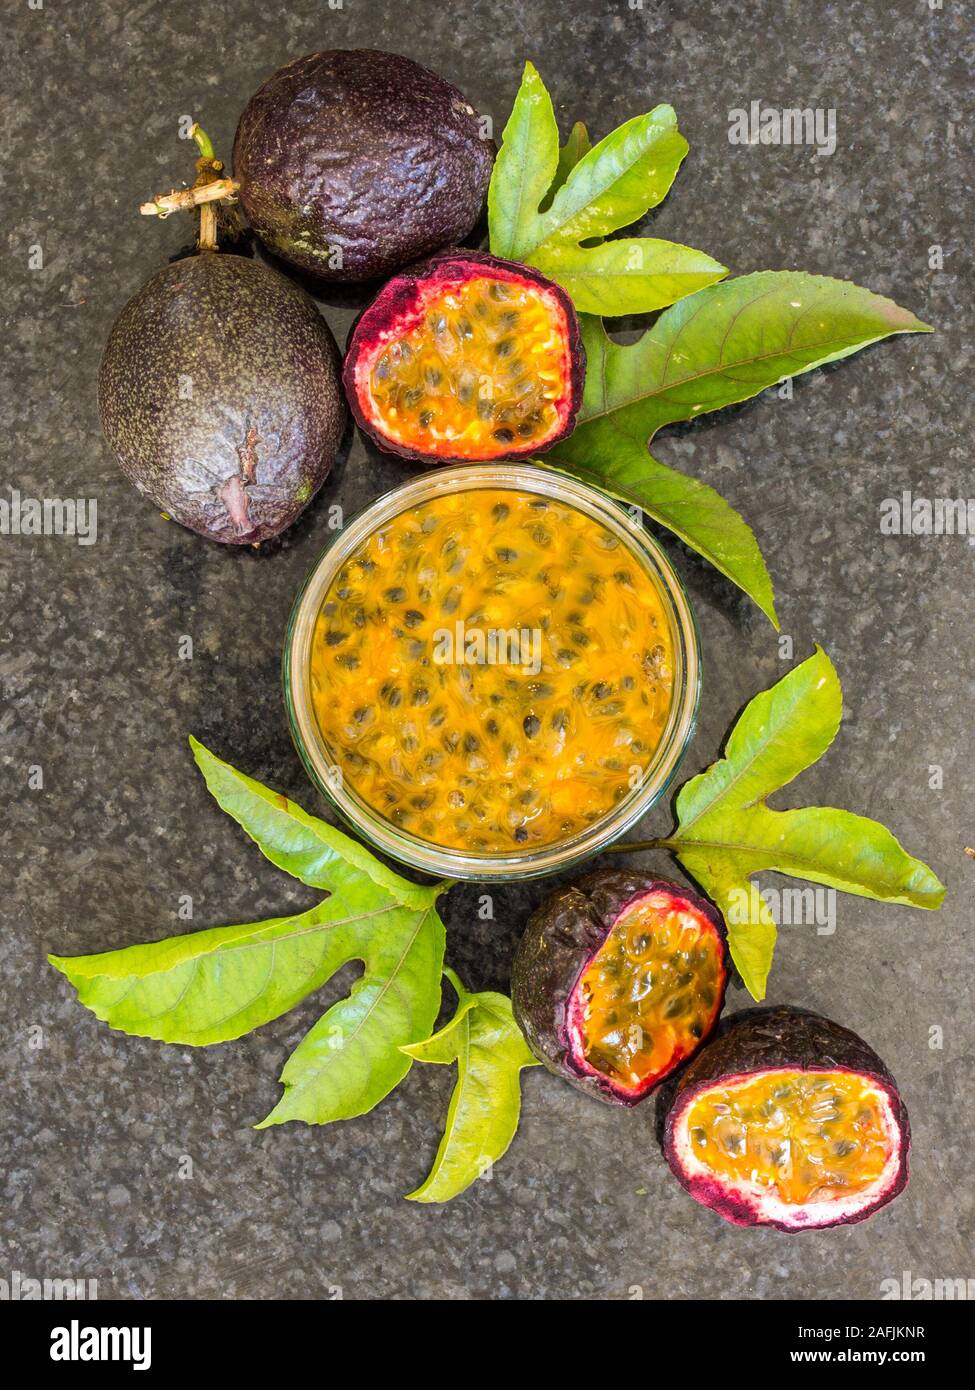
219, 394
363, 156
755, 1040
562, 936
399, 295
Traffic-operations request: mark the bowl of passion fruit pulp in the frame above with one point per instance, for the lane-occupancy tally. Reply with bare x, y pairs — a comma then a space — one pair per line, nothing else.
325, 768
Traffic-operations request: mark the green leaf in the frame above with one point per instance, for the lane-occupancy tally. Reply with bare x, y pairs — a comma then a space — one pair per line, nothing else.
215, 985
628, 275
548, 206
729, 342
486, 1043
524, 169
577, 145
610, 458
726, 832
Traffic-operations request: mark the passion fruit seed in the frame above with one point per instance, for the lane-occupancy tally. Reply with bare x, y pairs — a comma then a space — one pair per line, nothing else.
810, 1137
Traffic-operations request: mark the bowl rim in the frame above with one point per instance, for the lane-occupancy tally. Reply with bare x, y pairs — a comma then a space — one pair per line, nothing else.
444, 861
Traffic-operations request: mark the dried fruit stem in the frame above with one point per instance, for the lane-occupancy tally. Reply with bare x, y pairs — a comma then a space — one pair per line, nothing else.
209, 189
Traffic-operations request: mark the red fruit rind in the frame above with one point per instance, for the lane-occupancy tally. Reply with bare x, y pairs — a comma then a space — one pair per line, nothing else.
759, 1044
404, 305
563, 940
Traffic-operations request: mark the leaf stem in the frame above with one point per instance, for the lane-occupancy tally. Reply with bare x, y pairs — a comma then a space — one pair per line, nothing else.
631, 847
454, 979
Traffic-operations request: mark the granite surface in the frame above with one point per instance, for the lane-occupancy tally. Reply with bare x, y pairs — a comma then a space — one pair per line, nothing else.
134, 1163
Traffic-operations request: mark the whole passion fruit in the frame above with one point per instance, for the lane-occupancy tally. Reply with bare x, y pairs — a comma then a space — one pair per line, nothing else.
352, 163
618, 980
219, 395
788, 1120
466, 357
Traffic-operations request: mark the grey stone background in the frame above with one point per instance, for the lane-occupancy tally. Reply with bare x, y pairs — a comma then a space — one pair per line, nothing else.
94, 1124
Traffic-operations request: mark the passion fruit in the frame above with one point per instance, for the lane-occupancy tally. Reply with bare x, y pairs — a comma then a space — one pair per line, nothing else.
788, 1120
352, 163
466, 357
618, 980
219, 388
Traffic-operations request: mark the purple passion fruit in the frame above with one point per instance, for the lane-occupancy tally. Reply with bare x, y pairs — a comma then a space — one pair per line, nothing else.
465, 748
353, 163
466, 357
788, 1120
618, 980
220, 397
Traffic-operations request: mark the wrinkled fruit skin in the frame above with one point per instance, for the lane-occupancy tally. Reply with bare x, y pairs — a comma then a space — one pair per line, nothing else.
354, 162
756, 1040
561, 939
399, 296
242, 448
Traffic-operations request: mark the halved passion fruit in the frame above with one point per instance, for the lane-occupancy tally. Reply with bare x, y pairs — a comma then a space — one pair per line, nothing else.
788, 1120
466, 357
618, 980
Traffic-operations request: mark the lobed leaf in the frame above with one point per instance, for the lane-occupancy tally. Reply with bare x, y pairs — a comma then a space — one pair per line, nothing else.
214, 985
547, 206
726, 833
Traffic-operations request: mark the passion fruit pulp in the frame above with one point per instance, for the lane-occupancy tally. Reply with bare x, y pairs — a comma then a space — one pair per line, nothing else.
788, 1120
466, 357
619, 980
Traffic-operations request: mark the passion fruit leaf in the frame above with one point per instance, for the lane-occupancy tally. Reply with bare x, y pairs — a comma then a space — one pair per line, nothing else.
577, 145
729, 342
487, 1045
215, 985
628, 275
618, 462
596, 191
726, 833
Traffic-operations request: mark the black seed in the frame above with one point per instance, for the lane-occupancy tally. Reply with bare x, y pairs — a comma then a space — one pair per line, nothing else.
413, 396
521, 834
391, 695
464, 328
498, 291
426, 419
433, 376
504, 553
525, 431
395, 595
412, 616
471, 743
500, 510
531, 725
335, 639
504, 436
600, 690
361, 714
492, 727
347, 659
560, 721
505, 348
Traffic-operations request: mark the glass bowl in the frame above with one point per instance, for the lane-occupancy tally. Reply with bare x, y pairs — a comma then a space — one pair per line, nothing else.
517, 863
